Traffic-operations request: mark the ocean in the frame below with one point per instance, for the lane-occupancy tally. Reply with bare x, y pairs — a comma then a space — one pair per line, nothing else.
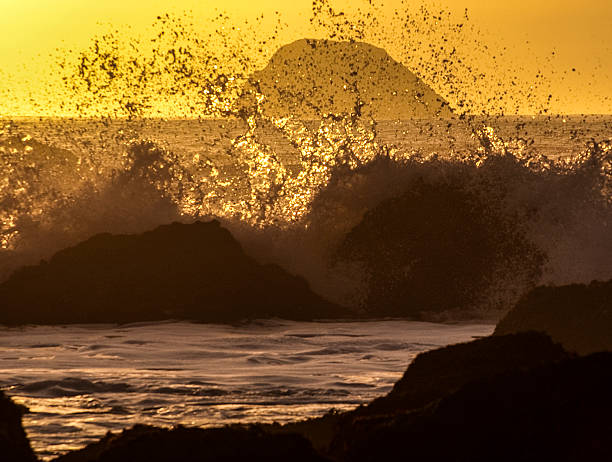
355, 176
362, 211
79, 382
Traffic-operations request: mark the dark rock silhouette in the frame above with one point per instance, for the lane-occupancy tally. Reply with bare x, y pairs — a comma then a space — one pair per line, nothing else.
436, 374
14, 444
229, 444
440, 247
557, 411
507, 398
578, 316
309, 78
181, 271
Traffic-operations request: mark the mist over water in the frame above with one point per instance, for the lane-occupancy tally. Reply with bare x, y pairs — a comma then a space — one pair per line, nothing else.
296, 208
296, 148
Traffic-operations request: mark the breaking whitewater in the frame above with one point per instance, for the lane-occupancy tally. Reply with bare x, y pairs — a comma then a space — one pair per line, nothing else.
358, 212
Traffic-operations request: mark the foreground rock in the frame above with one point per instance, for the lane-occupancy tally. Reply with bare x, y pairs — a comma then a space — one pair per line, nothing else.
229, 444
433, 375
180, 271
14, 445
578, 316
507, 398
438, 373
557, 412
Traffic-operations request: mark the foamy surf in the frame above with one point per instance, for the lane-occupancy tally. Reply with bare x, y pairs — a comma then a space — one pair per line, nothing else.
81, 381
298, 209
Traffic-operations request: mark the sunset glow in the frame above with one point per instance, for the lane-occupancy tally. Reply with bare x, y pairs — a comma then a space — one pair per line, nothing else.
306, 231
564, 41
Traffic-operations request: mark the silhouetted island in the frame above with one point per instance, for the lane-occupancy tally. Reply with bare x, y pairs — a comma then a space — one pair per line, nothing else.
578, 316
180, 271
310, 78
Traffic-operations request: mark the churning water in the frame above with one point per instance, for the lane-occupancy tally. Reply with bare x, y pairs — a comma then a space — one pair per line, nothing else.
81, 381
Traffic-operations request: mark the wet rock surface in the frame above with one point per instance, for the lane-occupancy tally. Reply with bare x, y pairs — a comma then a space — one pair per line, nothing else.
14, 444
441, 247
578, 316
180, 271
193, 444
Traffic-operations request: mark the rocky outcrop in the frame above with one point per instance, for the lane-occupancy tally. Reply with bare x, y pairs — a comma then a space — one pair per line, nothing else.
558, 411
229, 444
310, 78
578, 316
434, 375
14, 445
507, 398
441, 248
180, 271
437, 373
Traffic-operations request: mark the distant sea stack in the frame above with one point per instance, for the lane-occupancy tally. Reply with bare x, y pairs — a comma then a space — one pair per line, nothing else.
578, 316
180, 271
309, 78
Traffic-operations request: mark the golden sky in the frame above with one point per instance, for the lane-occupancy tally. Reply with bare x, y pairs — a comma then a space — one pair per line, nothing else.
531, 30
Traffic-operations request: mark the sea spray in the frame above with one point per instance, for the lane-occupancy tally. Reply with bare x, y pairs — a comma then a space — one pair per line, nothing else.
294, 190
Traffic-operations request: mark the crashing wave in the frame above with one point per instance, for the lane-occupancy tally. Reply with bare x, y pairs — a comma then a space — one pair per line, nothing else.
303, 193
342, 215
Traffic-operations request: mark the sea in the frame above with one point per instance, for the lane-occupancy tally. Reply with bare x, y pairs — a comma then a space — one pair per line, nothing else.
79, 382
290, 191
